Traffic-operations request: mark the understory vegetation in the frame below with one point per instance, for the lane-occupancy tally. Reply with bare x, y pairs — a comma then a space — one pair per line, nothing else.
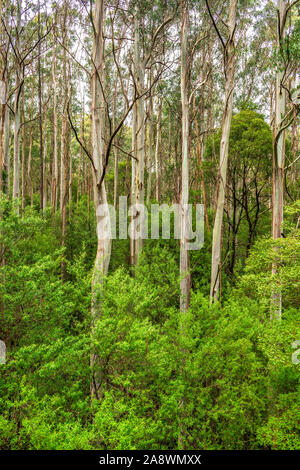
234, 367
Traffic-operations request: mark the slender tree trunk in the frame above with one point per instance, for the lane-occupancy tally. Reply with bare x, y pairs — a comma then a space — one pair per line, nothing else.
45, 148
185, 278
4, 118
158, 151
140, 123
278, 156
29, 180
40, 112
70, 169
133, 187
19, 84
200, 151
23, 153
6, 151
54, 192
295, 135
64, 145
81, 163
116, 159
2, 125
184, 254
98, 150
150, 150
229, 66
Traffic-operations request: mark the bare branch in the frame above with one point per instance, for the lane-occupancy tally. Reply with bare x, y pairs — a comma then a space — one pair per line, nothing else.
215, 25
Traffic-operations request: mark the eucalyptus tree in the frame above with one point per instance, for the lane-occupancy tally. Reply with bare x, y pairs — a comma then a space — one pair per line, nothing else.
24, 38
147, 54
287, 106
103, 134
54, 182
228, 46
19, 82
185, 281
5, 111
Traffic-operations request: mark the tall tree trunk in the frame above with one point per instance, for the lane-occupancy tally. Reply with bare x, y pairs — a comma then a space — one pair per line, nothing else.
150, 149
133, 187
81, 163
98, 151
29, 180
229, 66
45, 147
6, 151
184, 254
116, 160
294, 135
19, 84
200, 175
158, 151
185, 278
40, 112
278, 155
64, 145
140, 124
70, 162
54, 192
4, 118
23, 153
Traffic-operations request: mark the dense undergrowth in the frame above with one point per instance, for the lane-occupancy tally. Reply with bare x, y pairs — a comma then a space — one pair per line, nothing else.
232, 369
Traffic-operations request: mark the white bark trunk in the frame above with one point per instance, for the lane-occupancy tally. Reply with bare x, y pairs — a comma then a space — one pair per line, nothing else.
278, 159
140, 124
16, 175
229, 66
55, 152
157, 151
184, 254
98, 152
6, 185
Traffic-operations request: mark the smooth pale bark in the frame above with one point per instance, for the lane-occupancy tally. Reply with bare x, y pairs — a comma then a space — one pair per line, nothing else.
98, 152
133, 187
81, 164
116, 176
158, 151
2, 125
277, 218
64, 145
45, 189
200, 176
2, 103
62, 166
185, 278
229, 66
45, 170
185, 282
4, 117
54, 192
70, 169
40, 113
294, 135
116, 156
278, 157
23, 154
140, 130
6, 152
29, 180
150, 149
19, 84
16, 166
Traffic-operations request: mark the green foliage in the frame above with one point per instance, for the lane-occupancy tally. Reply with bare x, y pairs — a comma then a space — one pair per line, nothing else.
223, 377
